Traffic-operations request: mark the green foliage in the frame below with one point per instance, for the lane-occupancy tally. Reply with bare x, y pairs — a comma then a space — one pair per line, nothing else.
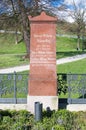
15, 120
64, 118
57, 120
58, 127
80, 120
62, 84
46, 124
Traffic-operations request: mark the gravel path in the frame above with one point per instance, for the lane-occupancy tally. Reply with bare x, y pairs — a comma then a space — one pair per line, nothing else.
27, 67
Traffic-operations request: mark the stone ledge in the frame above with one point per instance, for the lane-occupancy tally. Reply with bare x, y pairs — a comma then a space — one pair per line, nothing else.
76, 107
13, 107
47, 101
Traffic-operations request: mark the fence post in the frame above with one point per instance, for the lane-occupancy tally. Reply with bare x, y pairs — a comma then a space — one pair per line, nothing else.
15, 89
69, 88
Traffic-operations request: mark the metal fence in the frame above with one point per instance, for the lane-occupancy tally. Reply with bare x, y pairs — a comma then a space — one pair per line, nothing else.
13, 88
76, 88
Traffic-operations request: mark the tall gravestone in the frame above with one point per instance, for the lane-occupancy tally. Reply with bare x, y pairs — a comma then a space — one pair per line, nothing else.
43, 79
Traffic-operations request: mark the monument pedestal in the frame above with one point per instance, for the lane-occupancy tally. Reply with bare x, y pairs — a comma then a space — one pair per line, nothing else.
43, 78
47, 101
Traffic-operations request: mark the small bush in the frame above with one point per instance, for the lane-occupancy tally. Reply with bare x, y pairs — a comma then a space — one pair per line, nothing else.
55, 120
15, 120
64, 118
58, 127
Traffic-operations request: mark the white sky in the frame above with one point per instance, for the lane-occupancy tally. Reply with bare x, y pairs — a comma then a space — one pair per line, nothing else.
77, 2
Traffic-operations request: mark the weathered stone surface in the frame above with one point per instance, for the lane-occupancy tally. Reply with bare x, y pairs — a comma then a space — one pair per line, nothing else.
42, 80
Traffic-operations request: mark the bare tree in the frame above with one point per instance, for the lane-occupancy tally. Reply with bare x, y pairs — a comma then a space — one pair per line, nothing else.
19, 11
78, 13
16, 12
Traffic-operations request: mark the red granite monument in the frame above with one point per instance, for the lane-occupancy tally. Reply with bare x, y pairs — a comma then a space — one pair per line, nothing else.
43, 79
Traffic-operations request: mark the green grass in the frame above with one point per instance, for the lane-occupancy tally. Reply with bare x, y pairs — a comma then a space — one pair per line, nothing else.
12, 48
68, 53
66, 44
12, 60
8, 46
67, 47
78, 67
11, 53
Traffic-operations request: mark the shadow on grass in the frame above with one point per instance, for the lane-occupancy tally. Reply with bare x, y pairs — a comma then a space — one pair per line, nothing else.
68, 53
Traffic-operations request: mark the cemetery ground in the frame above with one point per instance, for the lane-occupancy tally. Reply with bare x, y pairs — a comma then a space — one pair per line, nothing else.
11, 55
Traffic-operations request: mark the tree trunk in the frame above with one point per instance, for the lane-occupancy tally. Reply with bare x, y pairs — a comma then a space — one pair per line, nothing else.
78, 43
25, 25
78, 35
27, 41
16, 37
83, 37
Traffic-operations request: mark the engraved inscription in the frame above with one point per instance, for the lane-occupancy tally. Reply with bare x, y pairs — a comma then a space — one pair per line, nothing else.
43, 54
43, 38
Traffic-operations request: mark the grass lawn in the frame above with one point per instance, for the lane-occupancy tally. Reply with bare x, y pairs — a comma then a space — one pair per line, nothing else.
67, 47
8, 46
78, 67
11, 53
12, 60
66, 44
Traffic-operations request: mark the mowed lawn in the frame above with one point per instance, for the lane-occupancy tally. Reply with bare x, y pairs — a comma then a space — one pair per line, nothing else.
11, 54
76, 67
8, 46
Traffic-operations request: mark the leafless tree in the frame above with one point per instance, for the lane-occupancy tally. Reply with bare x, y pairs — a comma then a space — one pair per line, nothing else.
78, 13
18, 11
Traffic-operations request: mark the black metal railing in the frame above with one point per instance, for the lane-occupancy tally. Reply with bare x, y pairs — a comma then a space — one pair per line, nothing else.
76, 88
14, 87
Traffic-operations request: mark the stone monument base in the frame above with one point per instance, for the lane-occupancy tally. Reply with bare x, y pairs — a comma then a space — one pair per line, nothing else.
47, 101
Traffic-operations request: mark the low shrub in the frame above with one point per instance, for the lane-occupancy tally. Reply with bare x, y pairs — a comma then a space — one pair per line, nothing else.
64, 118
58, 127
15, 120
54, 120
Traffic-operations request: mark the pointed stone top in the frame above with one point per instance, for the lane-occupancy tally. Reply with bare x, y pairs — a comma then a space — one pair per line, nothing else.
43, 17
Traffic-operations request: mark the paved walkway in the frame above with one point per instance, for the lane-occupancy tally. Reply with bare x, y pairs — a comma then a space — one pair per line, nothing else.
71, 59
27, 67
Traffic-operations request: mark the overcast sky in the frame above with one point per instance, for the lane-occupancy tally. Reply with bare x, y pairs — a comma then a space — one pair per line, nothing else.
76, 1
79, 3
